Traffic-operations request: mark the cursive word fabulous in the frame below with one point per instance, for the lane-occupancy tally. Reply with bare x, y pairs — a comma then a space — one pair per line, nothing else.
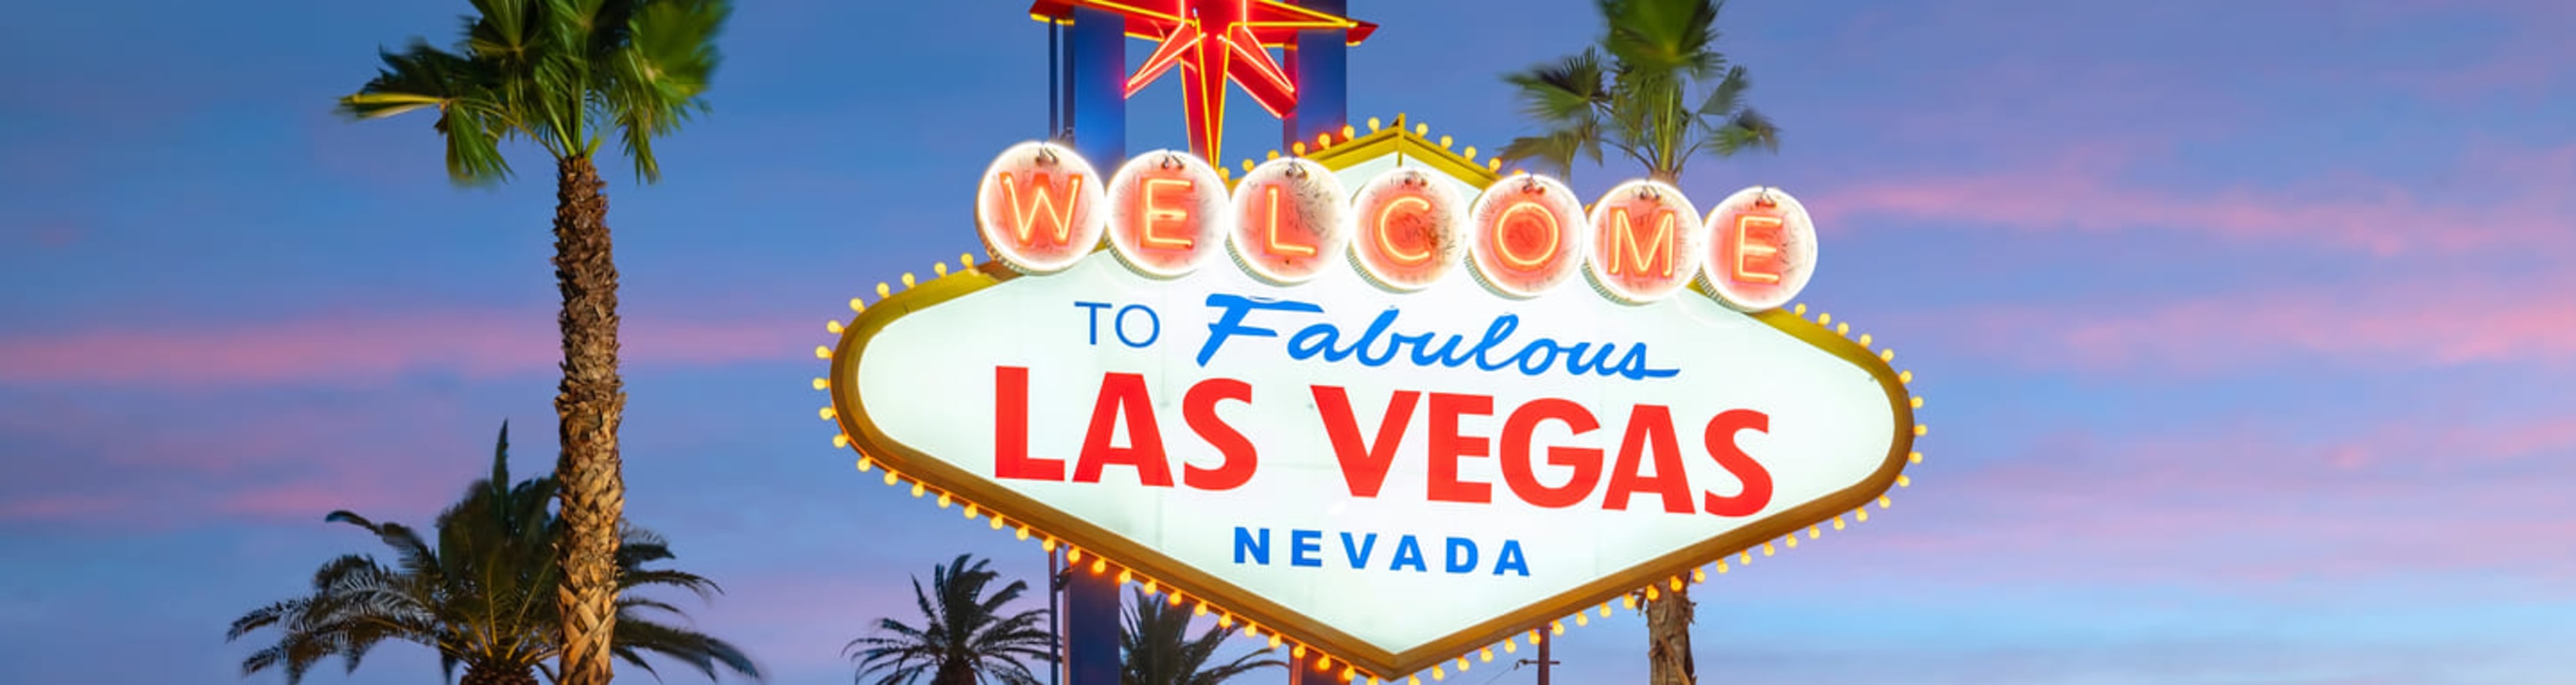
1380, 344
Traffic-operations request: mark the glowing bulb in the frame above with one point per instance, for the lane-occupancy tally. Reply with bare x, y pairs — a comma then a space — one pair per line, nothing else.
944, 499
1471, 153
917, 489
1324, 140
834, 327
1916, 402
1793, 540
1843, 329
1905, 377
1882, 502
1887, 355
842, 440
1444, 142
1297, 148
1700, 575
1047, 544
890, 477
1274, 154
997, 523
1861, 515
1903, 481
1152, 588
1298, 653
821, 352
825, 412
1628, 602
1073, 555
1864, 340
883, 291
965, 260
1813, 533
1920, 430
1677, 583
1721, 567
1838, 523
1653, 594
1556, 627
820, 384
1422, 129
1582, 619
907, 279
1914, 457
940, 268
1373, 124
1511, 646
857, 305
1347, 133
1125, 576
970, 511
1800, 310
1023, 533
1605, 609
1274, 640
1487, 655
1767, 550
1098, 564
1824, 319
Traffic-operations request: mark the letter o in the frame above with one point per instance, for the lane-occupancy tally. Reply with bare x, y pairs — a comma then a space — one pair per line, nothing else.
1153, 325
1525, 235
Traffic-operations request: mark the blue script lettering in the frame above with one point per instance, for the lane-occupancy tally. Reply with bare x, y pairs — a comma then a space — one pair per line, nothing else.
1379, 345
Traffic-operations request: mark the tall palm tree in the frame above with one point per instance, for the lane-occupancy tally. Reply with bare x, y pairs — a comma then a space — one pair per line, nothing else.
483, 597
1160, 651
566, 74
964, 637
1639, 101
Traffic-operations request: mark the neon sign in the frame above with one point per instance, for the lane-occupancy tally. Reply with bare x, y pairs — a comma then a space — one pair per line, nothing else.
1393, 390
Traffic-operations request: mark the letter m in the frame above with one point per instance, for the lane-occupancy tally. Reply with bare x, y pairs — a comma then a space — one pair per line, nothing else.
1640, 255
1040, 202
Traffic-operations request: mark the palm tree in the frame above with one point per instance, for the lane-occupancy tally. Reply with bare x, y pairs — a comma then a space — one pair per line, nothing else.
1638, 101
483, 597
964, 638
1159, 650
565, 74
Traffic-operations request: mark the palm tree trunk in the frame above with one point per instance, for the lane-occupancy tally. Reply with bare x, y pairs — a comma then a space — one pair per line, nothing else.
589, 405
1668, 651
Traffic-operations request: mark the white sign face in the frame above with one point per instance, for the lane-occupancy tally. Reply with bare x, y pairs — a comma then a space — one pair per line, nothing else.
1396, 475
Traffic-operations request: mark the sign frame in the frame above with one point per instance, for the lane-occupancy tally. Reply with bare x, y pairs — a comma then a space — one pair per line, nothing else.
1112, 553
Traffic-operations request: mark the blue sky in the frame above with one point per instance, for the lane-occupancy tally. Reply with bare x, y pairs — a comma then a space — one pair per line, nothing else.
2247, 328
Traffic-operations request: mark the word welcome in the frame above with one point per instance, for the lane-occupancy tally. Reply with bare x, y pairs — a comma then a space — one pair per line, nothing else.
1041, 207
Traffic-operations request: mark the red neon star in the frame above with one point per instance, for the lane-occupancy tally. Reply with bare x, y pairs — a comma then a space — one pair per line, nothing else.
1215, 41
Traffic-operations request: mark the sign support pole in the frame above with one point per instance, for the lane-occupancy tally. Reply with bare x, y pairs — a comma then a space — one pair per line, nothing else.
1095, 76
1319, 62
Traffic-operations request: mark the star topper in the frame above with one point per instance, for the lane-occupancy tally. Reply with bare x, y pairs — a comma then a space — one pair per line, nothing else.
1215, 41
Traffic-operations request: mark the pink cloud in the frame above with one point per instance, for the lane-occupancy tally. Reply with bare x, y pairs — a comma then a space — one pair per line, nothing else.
2080, 192
2428, 320
2252, 509
374, 346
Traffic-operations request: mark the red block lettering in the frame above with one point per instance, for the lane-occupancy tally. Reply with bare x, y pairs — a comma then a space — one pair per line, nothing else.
1522, 476
1199, 408
1447, 447
1123, 395
1650, 427
1011, 429
1363, 464
1722, 447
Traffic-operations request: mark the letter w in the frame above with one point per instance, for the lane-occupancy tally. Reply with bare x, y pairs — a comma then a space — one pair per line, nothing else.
1040, 203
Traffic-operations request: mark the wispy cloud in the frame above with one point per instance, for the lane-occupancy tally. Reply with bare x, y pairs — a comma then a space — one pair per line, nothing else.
2401, 320
2082, 191
373, 347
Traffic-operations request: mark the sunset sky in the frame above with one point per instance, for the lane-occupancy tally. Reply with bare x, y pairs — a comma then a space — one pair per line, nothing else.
2247, 329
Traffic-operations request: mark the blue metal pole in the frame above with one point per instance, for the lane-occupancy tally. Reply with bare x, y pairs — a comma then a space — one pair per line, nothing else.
1321, 62
1095, 76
